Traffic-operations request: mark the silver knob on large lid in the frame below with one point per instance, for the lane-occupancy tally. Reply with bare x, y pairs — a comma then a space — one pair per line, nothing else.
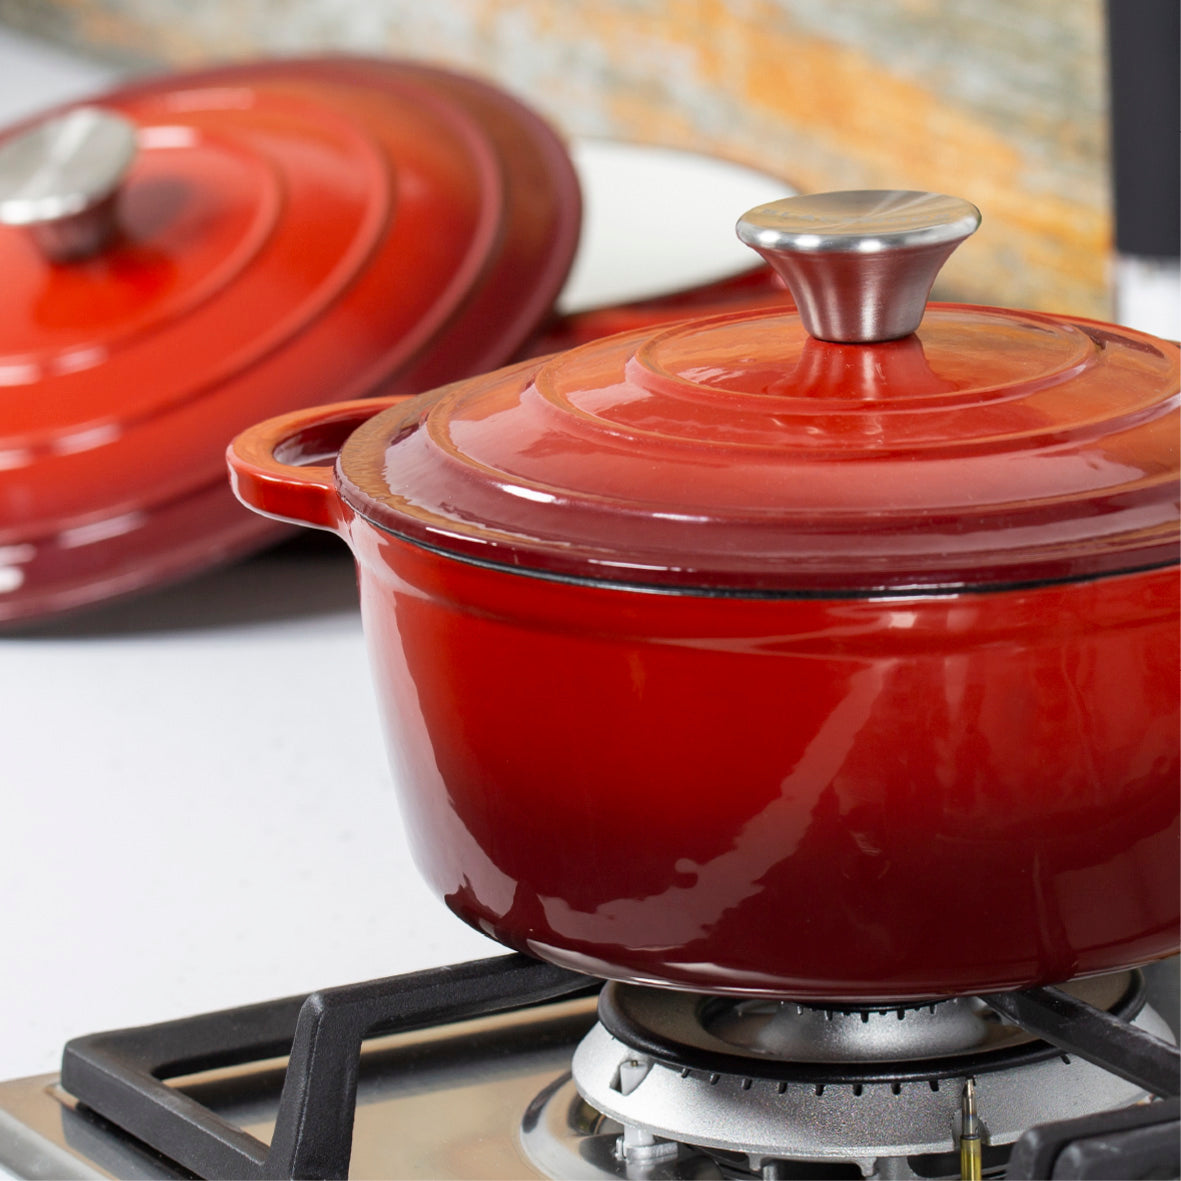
859, 264
60, 180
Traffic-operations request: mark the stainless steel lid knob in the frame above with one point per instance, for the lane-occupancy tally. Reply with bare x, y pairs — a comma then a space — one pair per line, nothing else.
60, 180
860, 264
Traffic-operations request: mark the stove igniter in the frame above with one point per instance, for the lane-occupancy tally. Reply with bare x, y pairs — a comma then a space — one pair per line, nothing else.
770, 1084
637, 1145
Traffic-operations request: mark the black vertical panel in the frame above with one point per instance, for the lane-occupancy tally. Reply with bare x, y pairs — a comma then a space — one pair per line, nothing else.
1144, 62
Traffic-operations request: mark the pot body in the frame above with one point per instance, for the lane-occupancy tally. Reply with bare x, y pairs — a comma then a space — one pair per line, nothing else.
862, 799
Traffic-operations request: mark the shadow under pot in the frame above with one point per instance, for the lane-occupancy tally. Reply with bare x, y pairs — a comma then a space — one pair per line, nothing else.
829, 654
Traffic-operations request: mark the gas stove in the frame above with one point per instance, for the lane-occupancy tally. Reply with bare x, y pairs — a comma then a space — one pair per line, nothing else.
508, 1067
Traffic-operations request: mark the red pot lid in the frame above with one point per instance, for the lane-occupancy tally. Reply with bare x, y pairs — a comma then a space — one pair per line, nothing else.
287, 233
831, 450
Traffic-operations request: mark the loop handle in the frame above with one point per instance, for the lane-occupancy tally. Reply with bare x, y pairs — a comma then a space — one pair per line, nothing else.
284, 467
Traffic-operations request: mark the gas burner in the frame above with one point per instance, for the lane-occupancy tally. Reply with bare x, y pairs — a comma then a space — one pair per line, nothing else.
784, 1040
675, 1085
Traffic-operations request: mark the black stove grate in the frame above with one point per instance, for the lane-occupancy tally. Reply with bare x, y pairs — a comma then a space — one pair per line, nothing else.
1136, 1143
1102, 1038
121, 1075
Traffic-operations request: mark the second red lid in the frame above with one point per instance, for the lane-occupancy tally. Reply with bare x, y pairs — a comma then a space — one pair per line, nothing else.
190, 253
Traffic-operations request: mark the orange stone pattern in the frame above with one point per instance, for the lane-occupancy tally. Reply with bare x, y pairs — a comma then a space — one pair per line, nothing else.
1003, 103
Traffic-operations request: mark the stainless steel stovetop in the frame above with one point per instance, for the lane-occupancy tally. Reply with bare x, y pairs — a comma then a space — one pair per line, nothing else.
438, 1104
510, 1068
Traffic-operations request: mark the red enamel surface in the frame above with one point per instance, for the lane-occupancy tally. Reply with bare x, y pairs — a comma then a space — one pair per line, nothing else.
291, 233
861, 799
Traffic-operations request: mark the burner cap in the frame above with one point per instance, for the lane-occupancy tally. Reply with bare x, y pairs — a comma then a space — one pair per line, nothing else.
782, 1039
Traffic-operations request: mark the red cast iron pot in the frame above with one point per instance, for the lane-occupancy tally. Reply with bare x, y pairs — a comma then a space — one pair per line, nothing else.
745, 659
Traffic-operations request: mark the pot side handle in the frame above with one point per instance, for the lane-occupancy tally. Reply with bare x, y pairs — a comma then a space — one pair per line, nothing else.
284, 467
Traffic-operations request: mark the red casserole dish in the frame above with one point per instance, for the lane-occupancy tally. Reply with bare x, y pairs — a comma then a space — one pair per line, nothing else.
747, 658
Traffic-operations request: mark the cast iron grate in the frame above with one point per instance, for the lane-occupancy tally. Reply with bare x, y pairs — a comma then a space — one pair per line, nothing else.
121, 1075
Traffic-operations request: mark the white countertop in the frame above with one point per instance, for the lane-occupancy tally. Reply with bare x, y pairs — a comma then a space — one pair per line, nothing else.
199, 813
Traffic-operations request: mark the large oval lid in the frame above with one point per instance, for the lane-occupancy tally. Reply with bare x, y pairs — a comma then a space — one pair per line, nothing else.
351, 211
187, 254
745, 454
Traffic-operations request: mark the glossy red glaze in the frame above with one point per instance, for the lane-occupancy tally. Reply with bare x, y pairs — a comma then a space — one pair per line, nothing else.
290, 233
880, 799
990, 448
860, 797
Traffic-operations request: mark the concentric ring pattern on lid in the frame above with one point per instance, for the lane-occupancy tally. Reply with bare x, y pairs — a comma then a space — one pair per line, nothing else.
742, 454
288, 233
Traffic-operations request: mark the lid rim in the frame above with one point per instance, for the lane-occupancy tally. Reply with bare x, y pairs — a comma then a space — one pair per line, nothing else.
785, 594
